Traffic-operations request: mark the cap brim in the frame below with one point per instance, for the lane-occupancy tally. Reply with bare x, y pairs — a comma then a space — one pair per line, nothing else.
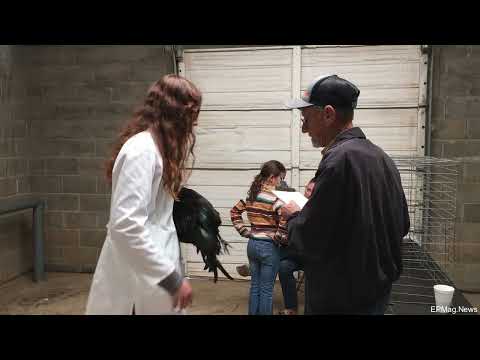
297, 104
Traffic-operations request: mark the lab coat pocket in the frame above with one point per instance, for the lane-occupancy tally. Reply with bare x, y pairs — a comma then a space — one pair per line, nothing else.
154, 301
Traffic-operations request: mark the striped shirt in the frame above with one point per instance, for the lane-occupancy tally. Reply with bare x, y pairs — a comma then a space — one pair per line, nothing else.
264, 216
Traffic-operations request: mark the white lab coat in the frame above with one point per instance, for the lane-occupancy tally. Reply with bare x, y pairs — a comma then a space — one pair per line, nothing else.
141, 248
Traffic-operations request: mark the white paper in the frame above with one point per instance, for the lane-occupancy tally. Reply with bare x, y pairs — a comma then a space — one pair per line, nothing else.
287, 196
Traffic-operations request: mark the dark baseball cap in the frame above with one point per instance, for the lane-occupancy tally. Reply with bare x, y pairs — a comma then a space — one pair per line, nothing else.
328, 90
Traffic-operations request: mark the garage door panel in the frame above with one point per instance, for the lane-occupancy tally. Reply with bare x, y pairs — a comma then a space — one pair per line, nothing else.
241, 80
244, 119
360, 54
400, 138
385, 117
238, 59
242, 147
270, 100
368, 76
384, 98
239, 139
243, 159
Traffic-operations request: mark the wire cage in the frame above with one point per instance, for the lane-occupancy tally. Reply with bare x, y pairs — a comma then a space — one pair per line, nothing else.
430, 186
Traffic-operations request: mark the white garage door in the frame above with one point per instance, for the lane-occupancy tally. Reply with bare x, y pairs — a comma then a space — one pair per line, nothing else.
244, 123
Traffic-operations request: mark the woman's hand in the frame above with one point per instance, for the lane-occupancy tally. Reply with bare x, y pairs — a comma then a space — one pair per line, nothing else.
183, 296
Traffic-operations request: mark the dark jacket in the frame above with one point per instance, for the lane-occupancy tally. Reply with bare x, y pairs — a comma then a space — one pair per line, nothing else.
349, 233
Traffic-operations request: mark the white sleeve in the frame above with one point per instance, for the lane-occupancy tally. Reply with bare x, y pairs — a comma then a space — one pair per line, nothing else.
128, 216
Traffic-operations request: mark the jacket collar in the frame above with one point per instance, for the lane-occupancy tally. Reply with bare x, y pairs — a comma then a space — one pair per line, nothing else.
352, 133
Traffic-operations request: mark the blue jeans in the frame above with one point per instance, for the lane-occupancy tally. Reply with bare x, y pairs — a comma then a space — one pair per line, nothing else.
287, 280
264, 262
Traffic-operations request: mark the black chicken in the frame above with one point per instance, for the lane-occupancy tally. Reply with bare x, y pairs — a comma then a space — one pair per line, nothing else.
197, 222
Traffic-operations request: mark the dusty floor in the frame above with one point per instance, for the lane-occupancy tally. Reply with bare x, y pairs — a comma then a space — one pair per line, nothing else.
66, 294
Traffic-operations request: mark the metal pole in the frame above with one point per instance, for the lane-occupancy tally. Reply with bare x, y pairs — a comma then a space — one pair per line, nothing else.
39, 265
428, 128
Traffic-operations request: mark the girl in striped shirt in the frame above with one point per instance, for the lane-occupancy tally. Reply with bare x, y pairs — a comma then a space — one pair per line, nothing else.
268, 232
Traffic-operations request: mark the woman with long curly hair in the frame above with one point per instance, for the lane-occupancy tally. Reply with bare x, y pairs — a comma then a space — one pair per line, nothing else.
139, 268
268, 232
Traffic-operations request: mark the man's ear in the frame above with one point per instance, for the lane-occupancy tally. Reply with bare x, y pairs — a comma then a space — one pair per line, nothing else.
330, 114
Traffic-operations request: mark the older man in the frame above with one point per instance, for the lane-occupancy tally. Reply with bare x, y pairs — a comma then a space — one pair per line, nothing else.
349, 233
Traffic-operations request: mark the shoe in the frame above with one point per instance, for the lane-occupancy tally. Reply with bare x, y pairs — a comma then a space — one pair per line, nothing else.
243, 270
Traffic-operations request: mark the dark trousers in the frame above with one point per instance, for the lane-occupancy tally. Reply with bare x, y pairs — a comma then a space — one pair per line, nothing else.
379, 307
289, 284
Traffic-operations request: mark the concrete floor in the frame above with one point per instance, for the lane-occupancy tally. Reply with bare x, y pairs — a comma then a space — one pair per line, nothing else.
66, 294
473, 299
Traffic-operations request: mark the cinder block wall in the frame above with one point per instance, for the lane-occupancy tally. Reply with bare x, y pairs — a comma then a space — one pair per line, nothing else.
456, 134
16, 247
81, 97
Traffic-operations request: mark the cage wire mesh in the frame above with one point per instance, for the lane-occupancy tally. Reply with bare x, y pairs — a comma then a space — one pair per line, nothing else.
430, 186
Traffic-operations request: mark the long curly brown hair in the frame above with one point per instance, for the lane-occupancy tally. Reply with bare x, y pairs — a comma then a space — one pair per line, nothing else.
270, 168
170, 112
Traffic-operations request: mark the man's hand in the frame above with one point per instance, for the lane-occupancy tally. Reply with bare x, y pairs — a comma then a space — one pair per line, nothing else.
288, 210
183, 296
